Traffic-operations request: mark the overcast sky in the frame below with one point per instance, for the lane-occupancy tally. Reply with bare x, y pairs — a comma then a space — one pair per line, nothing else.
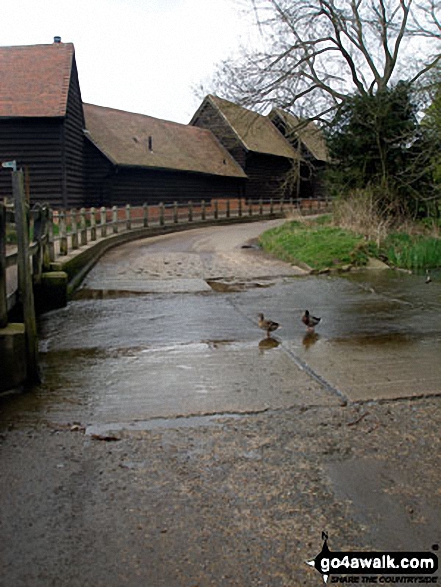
138, 55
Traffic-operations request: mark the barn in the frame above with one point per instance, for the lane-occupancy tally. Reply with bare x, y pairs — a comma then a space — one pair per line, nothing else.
134, 158
42, 122
77, 154
308, 140
268, 159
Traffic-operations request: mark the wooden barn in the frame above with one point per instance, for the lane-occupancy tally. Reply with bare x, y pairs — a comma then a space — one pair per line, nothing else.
268, 159
42, 122
134, 158
308, 140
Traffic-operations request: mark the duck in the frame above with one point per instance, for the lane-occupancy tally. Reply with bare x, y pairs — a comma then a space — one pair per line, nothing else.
310, 321
267, 325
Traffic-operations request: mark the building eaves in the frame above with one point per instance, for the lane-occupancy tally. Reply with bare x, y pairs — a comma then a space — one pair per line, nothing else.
137, 140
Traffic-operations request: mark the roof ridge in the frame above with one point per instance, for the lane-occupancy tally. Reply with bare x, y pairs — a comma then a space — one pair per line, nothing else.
253, 118
87, 104
67, 75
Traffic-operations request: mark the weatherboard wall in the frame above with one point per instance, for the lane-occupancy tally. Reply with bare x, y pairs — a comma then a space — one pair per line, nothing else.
266, 173
111, 185
50, 150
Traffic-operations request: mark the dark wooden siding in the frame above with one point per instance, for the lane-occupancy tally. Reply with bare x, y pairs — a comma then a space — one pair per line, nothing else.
109, 185
51, 151
99, 172
267, 174
268, 177
73, 145
209, 118
36, 145
136, 186
312, 183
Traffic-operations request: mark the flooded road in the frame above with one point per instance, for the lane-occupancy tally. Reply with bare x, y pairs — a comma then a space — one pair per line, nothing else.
170, 429
167, 327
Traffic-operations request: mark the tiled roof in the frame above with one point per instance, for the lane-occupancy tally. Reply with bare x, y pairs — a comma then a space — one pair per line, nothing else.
34, 80
139, 140
307, 132
255, 131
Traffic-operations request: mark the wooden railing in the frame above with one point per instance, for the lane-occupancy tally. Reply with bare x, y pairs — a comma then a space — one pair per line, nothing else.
55, 234
68, 231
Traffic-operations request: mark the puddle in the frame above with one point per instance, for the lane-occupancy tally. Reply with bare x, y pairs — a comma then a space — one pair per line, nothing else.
229, 286
105, 294
380, 339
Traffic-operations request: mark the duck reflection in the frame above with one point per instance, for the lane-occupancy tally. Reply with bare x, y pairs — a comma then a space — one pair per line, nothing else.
310, 338
268, 343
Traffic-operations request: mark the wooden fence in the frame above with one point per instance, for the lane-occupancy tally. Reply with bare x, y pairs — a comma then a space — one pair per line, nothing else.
55, 234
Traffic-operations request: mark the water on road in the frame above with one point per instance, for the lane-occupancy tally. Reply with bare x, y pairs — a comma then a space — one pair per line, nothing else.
233, 452
167, 327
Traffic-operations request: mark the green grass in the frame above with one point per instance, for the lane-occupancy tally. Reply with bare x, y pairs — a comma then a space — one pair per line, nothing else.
318, 245
322, 246
412, 251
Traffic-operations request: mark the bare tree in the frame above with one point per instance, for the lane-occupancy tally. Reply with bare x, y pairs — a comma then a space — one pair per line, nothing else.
316, 52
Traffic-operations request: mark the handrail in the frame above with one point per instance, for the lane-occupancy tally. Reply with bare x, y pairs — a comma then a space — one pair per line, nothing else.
61, 233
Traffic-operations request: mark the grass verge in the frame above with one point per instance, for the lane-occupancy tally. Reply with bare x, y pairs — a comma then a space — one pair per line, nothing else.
317, 244
321, 245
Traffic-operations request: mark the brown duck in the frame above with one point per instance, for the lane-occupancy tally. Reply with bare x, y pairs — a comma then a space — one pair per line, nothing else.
310, 321
267, 325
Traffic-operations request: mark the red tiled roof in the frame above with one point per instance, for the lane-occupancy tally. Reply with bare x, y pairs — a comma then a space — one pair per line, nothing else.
132, 139
34, 80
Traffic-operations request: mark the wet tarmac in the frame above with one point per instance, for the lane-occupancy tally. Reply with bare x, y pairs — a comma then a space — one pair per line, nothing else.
187, 347
251, 445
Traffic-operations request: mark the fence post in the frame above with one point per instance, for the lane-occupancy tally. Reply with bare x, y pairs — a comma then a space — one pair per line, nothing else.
25, 277
3, 294
128, 217
250, 207
74, 229
92, 224
239, 211
216, 209
175, 212
260, 207
228, 207
103, 222
50, 235
83, 227
190, 211
161, 214
63, 235
203, 210
145, 216
39, 238
271, 206
45, 253
114, 219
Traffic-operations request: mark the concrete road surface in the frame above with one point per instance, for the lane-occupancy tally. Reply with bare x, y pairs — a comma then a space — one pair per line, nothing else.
172, 443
